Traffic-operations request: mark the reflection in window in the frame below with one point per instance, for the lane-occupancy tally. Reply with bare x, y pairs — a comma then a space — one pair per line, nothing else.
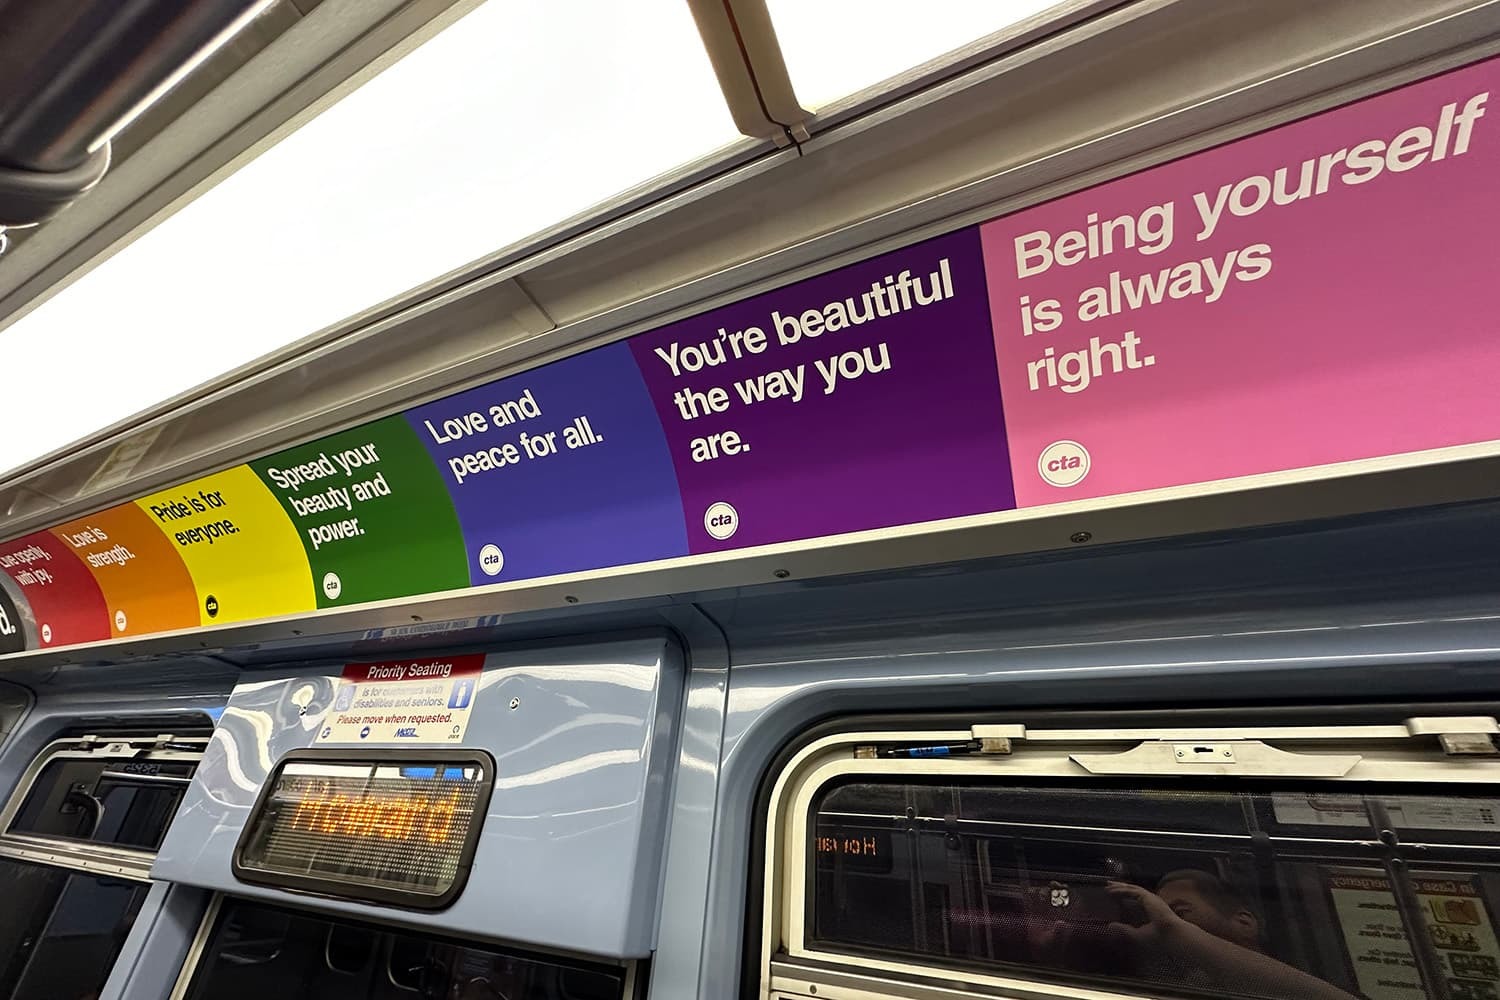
258, 952
61, 931
1266, 894
126, 803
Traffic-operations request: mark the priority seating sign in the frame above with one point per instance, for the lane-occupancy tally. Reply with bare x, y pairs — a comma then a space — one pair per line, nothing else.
404, 701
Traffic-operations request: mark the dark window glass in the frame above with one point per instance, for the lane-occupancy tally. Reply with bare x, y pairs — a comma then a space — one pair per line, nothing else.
1256, 892
127, 803
258, 952
61, 931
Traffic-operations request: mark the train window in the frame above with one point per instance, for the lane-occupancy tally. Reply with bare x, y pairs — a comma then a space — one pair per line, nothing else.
255, 951
75, 858
1031, 870
128, 803
61, 931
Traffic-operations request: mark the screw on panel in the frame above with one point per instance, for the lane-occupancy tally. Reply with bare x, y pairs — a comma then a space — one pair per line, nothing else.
782, 574
515, 703
571, 599
1079, 537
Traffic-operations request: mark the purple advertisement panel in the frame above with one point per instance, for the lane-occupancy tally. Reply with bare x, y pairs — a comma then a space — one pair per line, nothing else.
558, 469
859, 399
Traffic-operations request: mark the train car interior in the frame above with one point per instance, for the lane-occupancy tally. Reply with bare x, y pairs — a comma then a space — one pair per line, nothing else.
767, 500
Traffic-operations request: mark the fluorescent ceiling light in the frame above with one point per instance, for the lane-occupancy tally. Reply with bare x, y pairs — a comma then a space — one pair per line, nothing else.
509, 121
834, 48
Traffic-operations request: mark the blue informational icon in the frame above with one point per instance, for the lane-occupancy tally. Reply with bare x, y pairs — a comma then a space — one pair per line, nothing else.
345, 698
462, 693
364, 732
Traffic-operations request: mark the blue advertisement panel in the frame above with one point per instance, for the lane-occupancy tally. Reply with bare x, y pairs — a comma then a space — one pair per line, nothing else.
560, 469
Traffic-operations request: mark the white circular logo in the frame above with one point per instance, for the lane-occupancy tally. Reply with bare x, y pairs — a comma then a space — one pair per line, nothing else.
721, 520
46, 632
120, 620
332, 586
1063, 463
491, 560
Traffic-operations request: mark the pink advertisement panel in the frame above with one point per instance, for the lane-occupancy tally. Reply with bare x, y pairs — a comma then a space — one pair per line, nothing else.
1319, 293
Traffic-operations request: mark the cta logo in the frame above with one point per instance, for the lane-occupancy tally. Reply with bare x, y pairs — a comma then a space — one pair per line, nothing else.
1063, 463
491, 560
332, 586
721, 520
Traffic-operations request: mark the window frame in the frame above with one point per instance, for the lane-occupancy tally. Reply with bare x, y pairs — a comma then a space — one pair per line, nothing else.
89, 859
100, 859
1436, 751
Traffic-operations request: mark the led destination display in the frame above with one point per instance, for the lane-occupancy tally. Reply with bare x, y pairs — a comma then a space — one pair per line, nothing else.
400, 829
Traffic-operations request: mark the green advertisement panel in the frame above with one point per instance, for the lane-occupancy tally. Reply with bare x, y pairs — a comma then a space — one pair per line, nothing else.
372, 513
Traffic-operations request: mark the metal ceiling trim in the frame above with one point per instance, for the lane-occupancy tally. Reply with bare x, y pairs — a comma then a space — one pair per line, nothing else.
727, 52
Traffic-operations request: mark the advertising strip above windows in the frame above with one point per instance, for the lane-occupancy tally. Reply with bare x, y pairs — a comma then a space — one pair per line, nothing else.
1310, 296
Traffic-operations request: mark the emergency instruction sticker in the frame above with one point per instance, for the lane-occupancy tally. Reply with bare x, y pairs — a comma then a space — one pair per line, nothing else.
404, 701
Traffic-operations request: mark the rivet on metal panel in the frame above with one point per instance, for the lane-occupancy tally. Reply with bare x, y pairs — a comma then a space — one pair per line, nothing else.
1079, 537
782, 574
515, 703
571, 599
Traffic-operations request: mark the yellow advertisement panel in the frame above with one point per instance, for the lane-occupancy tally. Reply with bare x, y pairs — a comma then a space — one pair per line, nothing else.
244, 555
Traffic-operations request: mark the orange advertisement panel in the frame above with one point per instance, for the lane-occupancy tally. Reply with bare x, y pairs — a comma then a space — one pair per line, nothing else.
145, 584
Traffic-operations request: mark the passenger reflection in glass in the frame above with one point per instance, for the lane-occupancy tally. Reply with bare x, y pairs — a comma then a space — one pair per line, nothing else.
1263, 892
1193, 929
